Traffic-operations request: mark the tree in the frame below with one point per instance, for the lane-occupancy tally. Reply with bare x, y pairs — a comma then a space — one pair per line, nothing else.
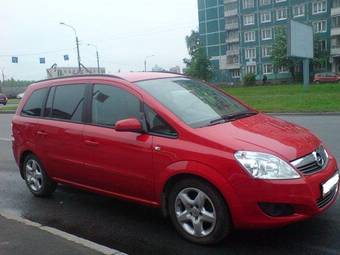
321, 54
193, 42
279, 52
199, 65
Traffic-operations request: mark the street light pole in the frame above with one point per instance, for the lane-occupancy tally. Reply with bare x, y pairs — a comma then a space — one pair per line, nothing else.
3, 80
77, 43
145, 61
97, 54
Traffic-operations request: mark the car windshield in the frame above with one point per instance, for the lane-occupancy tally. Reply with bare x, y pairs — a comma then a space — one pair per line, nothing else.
194, 102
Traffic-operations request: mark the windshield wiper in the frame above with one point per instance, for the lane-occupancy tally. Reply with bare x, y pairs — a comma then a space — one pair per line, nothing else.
229, 117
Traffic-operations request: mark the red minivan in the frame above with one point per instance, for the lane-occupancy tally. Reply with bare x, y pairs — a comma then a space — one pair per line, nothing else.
210, 162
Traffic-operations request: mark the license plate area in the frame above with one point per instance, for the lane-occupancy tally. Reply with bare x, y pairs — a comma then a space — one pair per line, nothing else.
330, 185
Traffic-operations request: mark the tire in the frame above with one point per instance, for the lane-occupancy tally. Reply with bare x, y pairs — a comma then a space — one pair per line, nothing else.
211, 218
36, 177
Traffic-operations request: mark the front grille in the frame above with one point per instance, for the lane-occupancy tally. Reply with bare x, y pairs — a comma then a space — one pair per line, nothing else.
310, 168
322, 202
313, 162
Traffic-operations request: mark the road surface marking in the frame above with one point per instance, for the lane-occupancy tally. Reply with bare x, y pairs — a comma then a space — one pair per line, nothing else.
94, 246
5, 139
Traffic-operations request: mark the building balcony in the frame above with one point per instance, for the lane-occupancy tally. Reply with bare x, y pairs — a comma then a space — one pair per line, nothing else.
335, 31
233, 52
232, 39
229, 1
229, 13
335, 51
233, 66
231, 26
335, 11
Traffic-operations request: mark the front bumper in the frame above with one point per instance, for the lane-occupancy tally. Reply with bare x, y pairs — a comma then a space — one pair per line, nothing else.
304, 195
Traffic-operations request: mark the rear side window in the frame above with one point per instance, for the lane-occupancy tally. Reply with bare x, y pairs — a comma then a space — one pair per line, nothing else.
34, 105
111, 104
67, 103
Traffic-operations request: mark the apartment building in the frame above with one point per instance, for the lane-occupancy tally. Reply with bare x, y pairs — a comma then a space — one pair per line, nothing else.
249, 32
335, 36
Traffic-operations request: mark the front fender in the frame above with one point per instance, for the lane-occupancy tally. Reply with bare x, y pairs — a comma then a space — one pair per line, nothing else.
202, 171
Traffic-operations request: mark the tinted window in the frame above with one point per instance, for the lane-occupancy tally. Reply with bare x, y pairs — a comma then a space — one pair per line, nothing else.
111, 104
68, 102
49, 103
35, 102
156, 124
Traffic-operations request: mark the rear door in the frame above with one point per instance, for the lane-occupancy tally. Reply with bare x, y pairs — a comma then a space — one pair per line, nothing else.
61, 131
117, 162
26, 125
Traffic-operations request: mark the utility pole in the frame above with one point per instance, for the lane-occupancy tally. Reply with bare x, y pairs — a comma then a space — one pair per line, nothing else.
98, 61
77, 44
3, 80
146, 60
97, 54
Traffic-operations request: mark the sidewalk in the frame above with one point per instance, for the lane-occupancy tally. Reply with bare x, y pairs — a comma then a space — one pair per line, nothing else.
30, 238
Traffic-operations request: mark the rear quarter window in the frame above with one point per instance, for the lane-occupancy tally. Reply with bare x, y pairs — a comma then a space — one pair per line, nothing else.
34, 104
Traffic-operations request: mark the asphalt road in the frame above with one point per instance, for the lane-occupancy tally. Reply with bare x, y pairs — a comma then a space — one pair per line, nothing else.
135, 229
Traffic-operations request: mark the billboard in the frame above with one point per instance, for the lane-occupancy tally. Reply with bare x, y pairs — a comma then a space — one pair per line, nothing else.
300, 40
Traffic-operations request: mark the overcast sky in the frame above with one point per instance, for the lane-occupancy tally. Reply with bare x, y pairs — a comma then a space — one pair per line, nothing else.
125, 31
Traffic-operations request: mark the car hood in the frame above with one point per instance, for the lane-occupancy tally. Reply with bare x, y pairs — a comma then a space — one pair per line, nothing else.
263, 133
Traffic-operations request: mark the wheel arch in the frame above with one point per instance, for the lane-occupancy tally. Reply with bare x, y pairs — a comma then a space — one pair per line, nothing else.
198, 171
23, 155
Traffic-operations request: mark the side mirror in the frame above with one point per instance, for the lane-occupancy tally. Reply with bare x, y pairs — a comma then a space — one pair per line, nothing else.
129, 125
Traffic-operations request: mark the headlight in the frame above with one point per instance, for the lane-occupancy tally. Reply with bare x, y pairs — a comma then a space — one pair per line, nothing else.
265, 166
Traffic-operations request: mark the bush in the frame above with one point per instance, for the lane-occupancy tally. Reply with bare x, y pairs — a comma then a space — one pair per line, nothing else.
249, 79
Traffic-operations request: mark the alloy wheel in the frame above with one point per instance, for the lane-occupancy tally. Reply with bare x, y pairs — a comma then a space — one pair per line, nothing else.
195, 212
34, 175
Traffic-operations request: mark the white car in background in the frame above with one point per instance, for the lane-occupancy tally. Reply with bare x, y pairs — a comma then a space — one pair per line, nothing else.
20, 95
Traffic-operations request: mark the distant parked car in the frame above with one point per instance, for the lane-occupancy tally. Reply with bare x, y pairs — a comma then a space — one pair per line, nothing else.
20, 95
3, 99
326, 77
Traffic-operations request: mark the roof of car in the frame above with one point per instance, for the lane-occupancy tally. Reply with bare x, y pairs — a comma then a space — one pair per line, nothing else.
141, 76
131, 76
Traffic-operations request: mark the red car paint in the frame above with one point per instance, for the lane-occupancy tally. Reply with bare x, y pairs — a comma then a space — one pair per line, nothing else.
129, 165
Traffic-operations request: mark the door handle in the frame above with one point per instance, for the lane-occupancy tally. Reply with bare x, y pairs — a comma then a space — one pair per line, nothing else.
42, 133
91, 143
157, 148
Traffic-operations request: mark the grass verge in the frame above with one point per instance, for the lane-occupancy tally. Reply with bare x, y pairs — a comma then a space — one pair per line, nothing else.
290, 98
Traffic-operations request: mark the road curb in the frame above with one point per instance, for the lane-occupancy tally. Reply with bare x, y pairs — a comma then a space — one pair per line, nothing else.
7, 112
72, 238
304, 113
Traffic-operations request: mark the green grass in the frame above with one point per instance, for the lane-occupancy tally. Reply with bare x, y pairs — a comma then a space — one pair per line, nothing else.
8, 108
13, 101
290, 98
12, 105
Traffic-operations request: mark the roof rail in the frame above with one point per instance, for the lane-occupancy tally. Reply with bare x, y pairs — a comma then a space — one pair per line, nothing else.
168, 72
81, 75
